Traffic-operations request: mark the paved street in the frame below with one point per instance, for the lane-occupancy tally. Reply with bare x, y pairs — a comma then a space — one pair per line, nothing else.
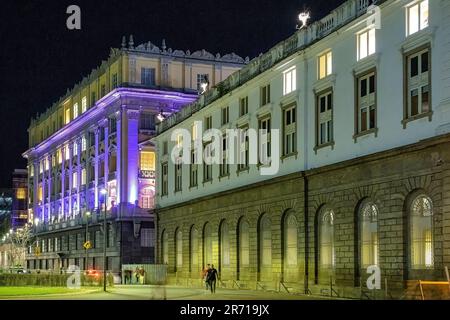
174, 293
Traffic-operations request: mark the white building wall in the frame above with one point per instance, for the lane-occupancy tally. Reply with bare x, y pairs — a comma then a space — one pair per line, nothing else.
391, 42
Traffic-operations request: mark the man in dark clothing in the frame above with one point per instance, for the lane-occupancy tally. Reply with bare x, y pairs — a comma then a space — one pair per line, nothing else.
212, 278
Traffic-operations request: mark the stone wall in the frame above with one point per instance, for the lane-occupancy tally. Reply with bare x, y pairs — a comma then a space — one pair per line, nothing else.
391, 180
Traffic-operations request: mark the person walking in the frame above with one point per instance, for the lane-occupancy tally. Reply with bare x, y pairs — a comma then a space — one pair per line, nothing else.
205, 276
213, 276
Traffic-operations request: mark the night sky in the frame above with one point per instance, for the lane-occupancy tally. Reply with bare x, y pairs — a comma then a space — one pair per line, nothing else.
40, 58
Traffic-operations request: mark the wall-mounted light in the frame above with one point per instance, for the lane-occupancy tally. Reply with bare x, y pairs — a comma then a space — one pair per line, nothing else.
204, 84
160, 116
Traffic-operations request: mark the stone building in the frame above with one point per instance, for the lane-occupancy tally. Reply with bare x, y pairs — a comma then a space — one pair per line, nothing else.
357, 125
89, 155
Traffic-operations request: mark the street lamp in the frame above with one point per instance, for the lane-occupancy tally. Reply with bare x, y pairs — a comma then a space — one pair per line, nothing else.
87, 214
104, 192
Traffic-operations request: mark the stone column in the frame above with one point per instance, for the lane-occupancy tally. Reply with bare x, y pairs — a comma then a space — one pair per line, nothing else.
70, 178
96, 169
78, 142
119, 155
129, 157
35, 165
63, 181
42, 218
49, 200
106, 158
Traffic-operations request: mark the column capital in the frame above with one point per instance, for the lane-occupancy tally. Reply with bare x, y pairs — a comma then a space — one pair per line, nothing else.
133, 114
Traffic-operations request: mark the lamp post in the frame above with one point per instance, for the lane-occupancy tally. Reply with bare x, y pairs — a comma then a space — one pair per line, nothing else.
104, 192
87, 214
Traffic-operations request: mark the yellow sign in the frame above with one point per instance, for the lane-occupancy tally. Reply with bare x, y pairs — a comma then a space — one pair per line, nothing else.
87, 245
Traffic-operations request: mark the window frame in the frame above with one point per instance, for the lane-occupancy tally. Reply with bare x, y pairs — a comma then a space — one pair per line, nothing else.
318, 96
328, 67
417, 4
366, 75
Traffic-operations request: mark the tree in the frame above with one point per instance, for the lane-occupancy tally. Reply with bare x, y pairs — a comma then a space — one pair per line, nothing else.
19, 241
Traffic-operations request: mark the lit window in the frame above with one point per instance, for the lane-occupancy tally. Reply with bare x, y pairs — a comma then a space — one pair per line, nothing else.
31, 171
326, 239
47, 164
66, 152
75, 110
74, 180
417, 17
421, 233
67, 120
21, 193
289, 81
83, 104
369, 234
366, 44
83, 143
83, 176
325, 64
59, 155
147, 160
75, 149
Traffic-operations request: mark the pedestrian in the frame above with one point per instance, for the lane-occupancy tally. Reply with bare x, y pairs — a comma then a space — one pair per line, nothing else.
136, 274
213, 276
205, 275
142, 275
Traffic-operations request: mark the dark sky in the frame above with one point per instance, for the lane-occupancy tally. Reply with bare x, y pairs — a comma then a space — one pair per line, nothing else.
40, 58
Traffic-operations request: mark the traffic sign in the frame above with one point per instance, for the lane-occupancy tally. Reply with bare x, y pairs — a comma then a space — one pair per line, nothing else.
87, 245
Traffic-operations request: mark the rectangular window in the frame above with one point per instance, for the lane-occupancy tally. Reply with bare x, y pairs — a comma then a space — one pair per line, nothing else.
193, 176
366, 44
418, 83
265, 95
59, 155
84, 104
243, 153
289, 130
264, 138
207, 168
243, 106
208, 123
147, 121
165, 179
75, 110
147, 160
325, 64
165, 148
67, 152
148, 76
75, 149
417, 17
225, 115
178, 177
114, 81
67, 116
83, 176
103, 90
74, 180
224, 166
289, 81
93, 98
83, 143
366, 102
325, 118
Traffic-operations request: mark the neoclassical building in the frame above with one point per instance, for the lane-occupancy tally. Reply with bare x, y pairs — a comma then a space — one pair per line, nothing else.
355, 111
90, 153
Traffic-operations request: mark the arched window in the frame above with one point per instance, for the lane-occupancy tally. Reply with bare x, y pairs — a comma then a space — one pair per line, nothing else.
244, 244
290, 240
421, 222
265, 241
224, 244
326, 239
368, 226
165, 247
179, 248
194, 249
207, 245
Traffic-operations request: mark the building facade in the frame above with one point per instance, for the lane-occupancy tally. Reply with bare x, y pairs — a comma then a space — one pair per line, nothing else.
354, 110
89, 155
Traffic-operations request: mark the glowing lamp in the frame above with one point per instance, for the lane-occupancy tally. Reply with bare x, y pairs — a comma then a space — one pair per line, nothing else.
303, 18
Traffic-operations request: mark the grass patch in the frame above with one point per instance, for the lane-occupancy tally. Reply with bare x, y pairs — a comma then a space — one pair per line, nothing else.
32, 291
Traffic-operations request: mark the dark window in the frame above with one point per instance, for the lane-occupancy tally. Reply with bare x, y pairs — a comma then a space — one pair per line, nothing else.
414, 66
148, 76
424, 62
